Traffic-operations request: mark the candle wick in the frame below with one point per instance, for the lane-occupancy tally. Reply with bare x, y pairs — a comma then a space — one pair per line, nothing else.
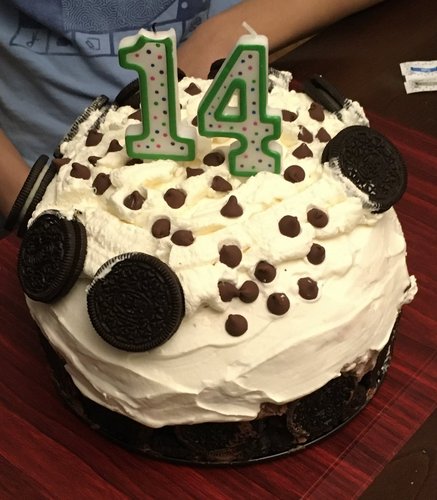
249, 28
154, 28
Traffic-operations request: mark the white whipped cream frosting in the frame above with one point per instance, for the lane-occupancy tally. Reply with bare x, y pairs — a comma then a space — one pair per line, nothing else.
202, 373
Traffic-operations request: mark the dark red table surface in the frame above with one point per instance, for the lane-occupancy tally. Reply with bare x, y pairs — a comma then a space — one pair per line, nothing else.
389, 450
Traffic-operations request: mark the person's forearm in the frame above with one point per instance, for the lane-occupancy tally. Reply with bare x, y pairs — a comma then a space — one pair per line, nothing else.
282, 21
13, 173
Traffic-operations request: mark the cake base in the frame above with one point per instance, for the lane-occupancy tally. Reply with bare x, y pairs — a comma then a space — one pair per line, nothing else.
278, 431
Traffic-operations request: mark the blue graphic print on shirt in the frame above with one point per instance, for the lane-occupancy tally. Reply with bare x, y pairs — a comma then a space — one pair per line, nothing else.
71, 27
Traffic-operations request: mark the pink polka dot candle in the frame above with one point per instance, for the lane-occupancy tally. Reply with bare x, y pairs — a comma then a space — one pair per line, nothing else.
160, 134
244, 74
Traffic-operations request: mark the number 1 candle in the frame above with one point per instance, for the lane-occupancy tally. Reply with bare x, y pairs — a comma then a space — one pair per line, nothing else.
160, 135
244, 74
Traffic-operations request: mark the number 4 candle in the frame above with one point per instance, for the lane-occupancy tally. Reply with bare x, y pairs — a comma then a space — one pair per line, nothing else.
160, 135
244, 74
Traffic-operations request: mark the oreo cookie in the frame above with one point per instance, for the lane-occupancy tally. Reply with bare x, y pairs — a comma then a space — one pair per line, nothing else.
99, 103
51, 256
135, 302
323, 92
218, 442
129, 95
371, 162
40, 176
321, 411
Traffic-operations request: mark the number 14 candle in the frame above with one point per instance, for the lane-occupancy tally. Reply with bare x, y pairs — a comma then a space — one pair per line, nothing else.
242, 78
244, 74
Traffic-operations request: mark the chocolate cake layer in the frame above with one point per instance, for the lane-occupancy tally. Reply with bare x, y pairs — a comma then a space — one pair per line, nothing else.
279, 430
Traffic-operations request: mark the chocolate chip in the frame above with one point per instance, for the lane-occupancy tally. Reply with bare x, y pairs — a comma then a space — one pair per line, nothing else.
93, 138
181, 74
249, 292
114, 146
94, 159
136, 115
236, 325
323, 136
289, 226
288, 116
214, 159
316, 254
316, 112
302, 151
317, 218
232, 209
134, 201
194, 121
214, 69
308, 288
230, 255
101, 183
80, 171
175, 198
227, 291
278, 303
221, 185
183, 238
161, 228
304, 134
265, 272
134, 161
192, 89
192, 172
294, 173
60, 162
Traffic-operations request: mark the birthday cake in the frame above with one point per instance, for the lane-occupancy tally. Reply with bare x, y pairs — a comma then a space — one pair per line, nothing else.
200, 316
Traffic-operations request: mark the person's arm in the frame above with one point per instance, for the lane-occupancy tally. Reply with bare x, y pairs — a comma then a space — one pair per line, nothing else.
13, 173
282, 21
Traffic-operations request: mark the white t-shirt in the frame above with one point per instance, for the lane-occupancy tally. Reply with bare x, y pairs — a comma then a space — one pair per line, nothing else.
57, 55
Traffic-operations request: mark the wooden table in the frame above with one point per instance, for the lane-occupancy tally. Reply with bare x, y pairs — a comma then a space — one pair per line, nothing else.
46, 452
361, 56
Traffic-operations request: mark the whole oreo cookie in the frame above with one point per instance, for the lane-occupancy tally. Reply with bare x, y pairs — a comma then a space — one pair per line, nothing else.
135, 302
30, 194
371, 162
51, 256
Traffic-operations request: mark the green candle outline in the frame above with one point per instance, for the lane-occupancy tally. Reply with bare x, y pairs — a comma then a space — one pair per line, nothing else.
240, 84
123, 53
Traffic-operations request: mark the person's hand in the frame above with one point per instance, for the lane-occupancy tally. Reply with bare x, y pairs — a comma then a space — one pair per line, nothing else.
210, 42
13, 173
282, 21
